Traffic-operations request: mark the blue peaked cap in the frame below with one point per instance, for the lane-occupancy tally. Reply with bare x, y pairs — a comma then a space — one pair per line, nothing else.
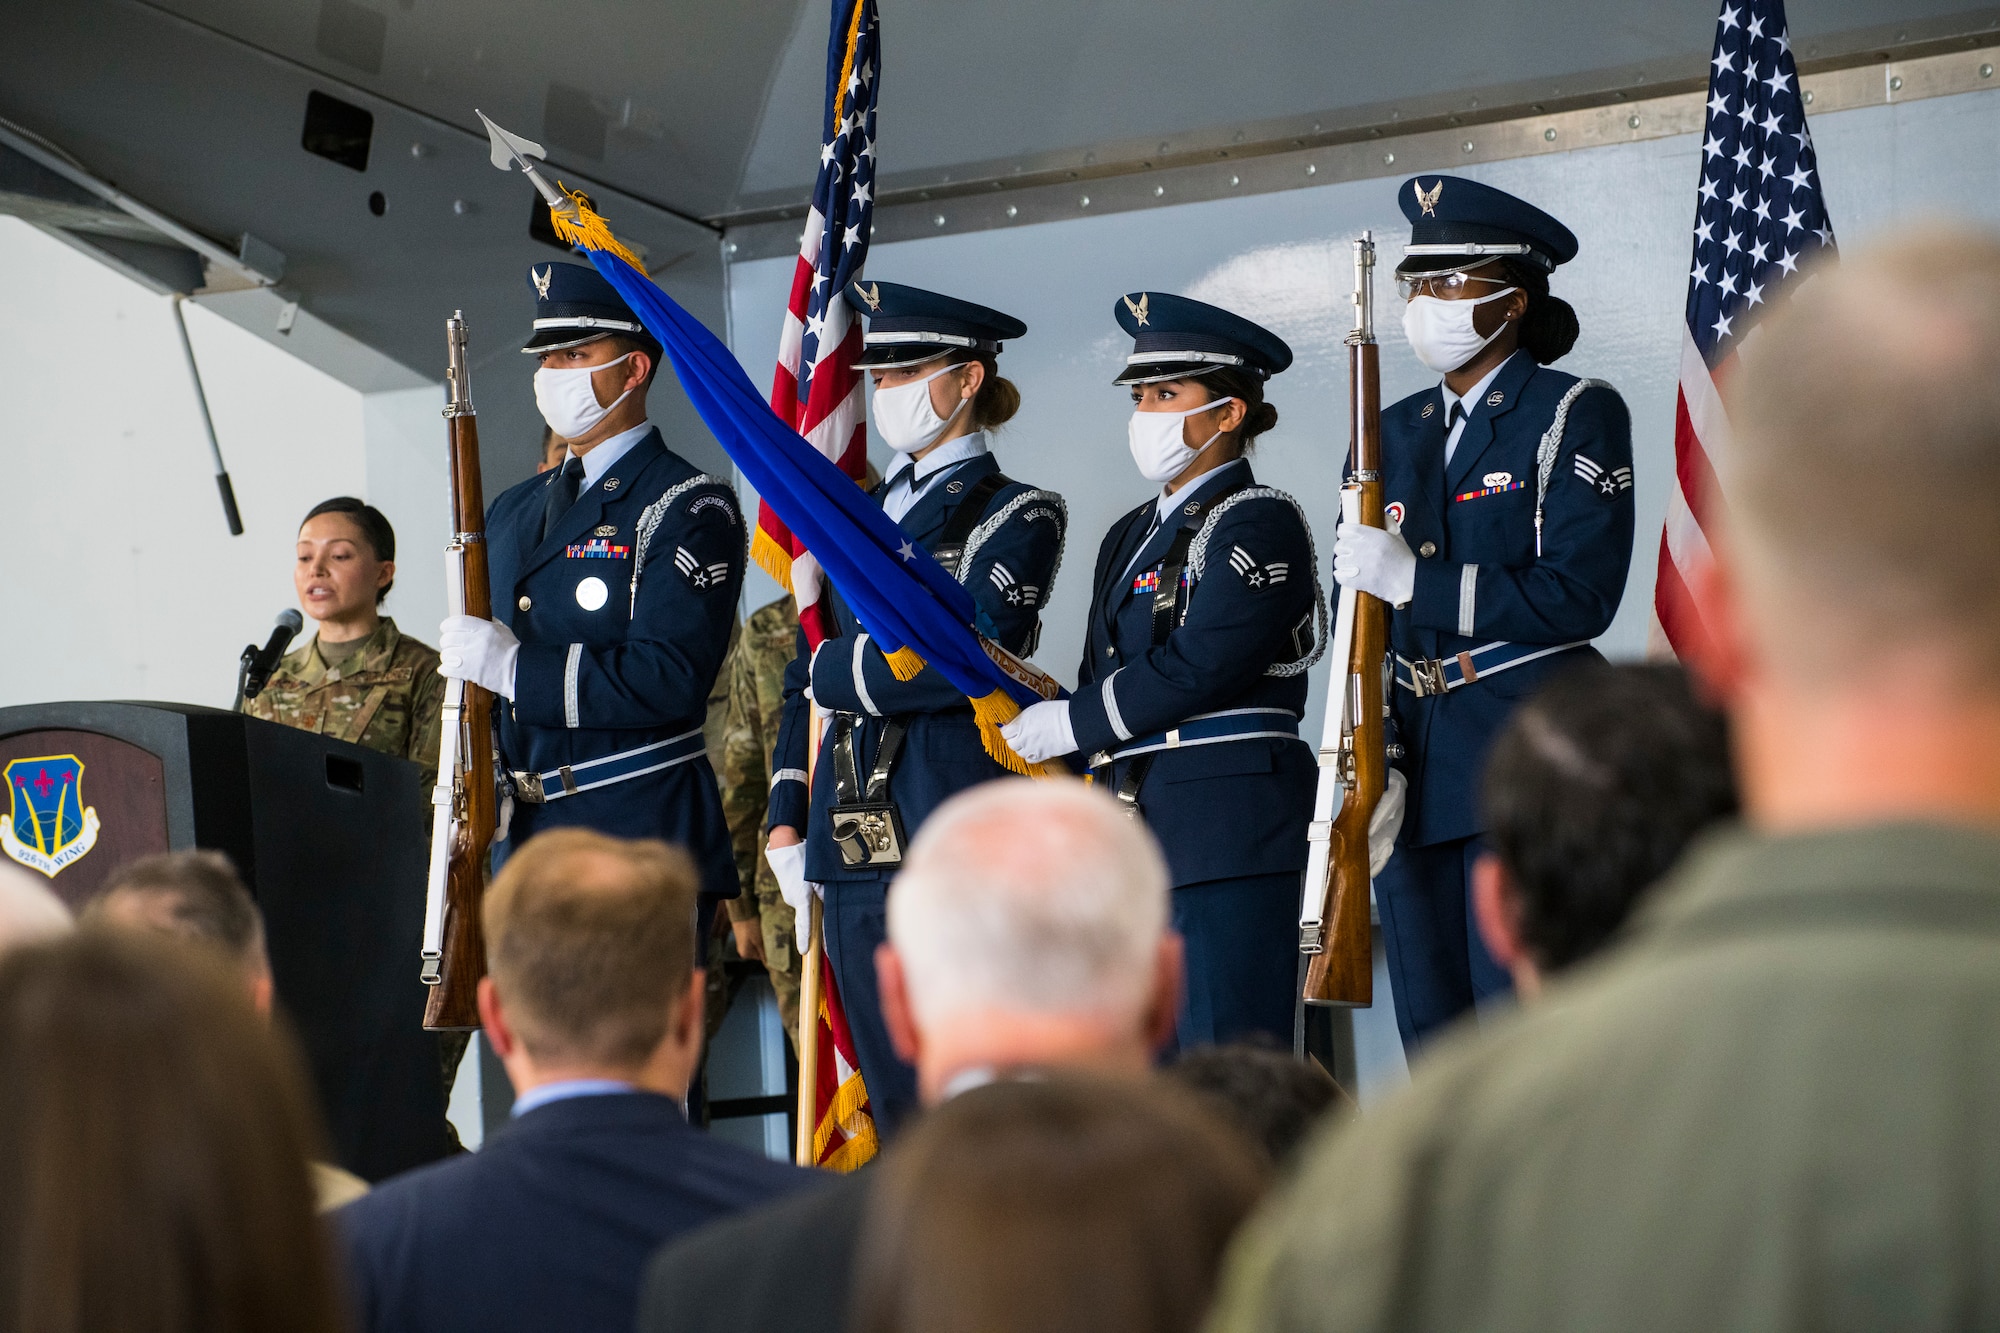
1455, 222
575, 305
908, 324
1174, 338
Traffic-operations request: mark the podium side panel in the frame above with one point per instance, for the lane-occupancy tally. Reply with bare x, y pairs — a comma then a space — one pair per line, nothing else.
341, 844
123, 783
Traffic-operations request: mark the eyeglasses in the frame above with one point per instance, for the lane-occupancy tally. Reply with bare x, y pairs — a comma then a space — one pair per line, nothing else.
1445, 286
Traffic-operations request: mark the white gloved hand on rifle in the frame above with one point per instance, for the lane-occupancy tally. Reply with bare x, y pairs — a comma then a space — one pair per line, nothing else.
482, 652
1376, 561
1386, 822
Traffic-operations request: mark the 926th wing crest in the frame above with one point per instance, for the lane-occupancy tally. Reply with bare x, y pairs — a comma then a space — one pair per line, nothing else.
1138, 308
48, 828
542, 280
1427, 199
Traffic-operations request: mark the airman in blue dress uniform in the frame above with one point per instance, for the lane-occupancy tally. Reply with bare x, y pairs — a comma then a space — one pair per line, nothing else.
1205, 615
896, 749
1512, 485
615, 579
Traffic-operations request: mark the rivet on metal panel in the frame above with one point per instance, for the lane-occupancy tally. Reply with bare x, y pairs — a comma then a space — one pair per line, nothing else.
938, 220
1632, 121
1012, 211
1235, 180
1388, 159
1808, 97
1986, 71
1550, 134
1311, 170
1083, 202
1468, 145
1159, 190
1895, 83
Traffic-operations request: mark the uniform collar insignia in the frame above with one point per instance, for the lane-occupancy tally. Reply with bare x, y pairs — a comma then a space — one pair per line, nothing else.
872, 294
1427, 199
1138, 309
542, 280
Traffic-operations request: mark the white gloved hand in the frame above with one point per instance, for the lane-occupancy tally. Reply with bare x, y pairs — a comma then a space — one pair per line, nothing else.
1374, 561
1386, 822
1042, 732
789, 865
483, 652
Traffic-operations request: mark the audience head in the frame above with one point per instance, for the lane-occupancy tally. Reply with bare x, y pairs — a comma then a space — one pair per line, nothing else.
1273, 1099
1854, 604
193, 896
29, 911
1029, 926
154, 1135
1593, 789
1063, 1205
590, 955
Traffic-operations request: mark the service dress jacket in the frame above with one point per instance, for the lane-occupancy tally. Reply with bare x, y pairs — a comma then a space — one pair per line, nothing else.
1237, 808
624, 613
1480, 579
1009, 566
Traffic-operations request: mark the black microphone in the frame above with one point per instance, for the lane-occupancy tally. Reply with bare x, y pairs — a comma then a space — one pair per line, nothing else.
259, 663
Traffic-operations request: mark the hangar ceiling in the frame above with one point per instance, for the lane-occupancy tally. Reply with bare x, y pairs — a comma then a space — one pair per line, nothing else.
686, 119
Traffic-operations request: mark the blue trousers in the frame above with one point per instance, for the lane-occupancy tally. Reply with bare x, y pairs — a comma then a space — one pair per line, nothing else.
1242, 939
1438, 966
856, 922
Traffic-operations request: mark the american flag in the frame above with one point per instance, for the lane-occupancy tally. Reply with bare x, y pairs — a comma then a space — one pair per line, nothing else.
1759, 218
817, 389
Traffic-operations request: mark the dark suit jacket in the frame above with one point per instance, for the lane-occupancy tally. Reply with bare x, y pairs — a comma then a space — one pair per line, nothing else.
548, 1225
787, 1268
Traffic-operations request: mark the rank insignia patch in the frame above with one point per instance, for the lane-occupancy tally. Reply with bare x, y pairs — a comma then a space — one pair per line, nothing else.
596, 550
701, 576
1254, 574
1015, 592
48, 828
1606, 484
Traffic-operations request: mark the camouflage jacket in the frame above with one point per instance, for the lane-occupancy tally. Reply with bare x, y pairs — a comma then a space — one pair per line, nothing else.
388, 697
741, 753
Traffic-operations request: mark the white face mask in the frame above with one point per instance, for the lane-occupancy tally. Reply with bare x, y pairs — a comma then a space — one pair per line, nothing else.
1158, 443
1441, 332
569, 403
905, 417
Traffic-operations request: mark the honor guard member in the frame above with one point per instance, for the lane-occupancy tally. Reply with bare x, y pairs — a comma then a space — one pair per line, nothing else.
1512, 486
1205, 615
359, 678
615, 579
896, 748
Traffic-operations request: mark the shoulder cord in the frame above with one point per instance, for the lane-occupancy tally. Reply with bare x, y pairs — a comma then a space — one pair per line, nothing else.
654, 513
1198, 562
998, 519
1551, 445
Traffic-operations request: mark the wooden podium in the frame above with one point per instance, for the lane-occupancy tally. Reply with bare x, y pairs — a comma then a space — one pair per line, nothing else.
331, 838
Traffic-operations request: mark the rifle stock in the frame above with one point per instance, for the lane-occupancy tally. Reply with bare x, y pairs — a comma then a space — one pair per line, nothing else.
466, 797
1334, 927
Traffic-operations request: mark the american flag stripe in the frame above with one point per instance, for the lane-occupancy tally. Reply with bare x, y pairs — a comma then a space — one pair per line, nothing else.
1758, 213
816, 388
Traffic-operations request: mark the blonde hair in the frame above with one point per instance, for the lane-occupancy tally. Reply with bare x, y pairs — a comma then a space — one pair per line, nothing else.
1864, 472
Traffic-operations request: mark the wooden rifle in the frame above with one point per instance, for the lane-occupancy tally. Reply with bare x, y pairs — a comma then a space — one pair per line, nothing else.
466, 798
1334, 930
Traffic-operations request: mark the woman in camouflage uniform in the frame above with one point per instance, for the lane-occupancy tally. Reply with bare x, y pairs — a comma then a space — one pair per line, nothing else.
359, 679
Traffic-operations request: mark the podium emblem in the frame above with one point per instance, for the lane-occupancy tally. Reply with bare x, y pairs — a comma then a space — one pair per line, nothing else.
48, 827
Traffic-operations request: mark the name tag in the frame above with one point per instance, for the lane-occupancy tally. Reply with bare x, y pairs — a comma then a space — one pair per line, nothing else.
597, 550
1490, 490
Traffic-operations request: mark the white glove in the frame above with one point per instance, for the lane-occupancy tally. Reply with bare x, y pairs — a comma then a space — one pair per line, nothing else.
1042, 732
1374, 561
1386, 822
484, 652
789, 865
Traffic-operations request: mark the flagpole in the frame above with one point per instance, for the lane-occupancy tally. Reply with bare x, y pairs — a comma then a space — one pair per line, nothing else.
809, 988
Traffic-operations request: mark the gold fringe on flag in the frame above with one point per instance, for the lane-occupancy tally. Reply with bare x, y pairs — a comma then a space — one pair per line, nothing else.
589, 230
905, 662
994, 711
773, 558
